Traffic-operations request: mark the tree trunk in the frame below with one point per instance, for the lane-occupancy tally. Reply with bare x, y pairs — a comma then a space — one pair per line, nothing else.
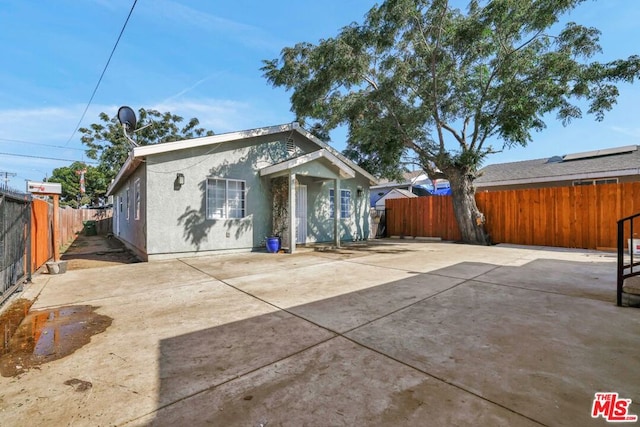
469, 218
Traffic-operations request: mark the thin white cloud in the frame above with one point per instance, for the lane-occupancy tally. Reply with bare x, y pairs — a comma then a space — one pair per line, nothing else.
632, 132
192, 19
53, 125
214, 114
189, 88
50, 125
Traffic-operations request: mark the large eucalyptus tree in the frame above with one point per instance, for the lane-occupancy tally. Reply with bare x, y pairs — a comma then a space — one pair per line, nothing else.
421, 78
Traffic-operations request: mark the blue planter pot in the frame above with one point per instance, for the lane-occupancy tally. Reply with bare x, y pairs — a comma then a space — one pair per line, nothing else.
273, 244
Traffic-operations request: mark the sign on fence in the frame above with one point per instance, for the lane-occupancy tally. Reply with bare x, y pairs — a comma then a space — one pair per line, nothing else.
44, 187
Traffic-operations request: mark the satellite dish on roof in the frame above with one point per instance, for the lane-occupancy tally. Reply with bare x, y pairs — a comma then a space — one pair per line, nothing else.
127, 118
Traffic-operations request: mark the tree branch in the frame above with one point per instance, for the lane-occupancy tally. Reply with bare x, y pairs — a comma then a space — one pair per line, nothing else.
453, 132
371, 82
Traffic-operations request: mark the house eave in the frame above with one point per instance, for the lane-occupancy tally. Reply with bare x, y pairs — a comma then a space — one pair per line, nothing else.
571, 177
130, 165
148, 150
137, 155
343, 169
322, 144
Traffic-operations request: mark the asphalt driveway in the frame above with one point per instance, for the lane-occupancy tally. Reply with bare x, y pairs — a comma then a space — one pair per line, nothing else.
388, 333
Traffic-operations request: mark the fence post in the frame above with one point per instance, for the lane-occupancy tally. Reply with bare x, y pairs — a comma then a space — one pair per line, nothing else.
29, 228
56, 229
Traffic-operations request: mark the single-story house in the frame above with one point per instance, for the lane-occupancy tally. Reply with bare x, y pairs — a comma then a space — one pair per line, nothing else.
229, 192
396, 193
607, 166
416, 182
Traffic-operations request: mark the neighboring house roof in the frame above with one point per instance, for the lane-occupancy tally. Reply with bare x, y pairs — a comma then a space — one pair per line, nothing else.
612, 162
137, 155
395, 193
408, 178
405, 193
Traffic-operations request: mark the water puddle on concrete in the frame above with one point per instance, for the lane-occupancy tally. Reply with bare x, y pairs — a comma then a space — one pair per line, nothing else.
48, 335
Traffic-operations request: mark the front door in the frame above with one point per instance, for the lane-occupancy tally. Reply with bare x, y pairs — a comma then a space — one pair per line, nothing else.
301, 214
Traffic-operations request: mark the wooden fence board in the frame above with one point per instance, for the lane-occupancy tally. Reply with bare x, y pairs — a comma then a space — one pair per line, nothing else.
575, 217
41, 246
71, 223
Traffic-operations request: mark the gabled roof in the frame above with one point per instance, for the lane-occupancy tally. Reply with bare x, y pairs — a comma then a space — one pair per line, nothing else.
613, 162
345, 170
408, 178
405, 193
394, 193
137, 155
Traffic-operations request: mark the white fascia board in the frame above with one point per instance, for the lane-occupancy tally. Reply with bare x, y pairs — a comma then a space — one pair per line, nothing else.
572, 177
138, 153
403, 193
298, 161
129, 166
147, 150
322, 144
348, 171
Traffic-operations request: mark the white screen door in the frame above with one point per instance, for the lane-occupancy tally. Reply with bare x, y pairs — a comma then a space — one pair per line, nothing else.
301, 214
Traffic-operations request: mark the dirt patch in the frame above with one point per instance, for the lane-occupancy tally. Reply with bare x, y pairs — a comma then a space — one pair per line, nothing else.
46, 335
78, 385
96, 251
99, 259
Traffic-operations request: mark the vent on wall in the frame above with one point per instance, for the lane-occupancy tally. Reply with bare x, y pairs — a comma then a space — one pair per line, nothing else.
290, 145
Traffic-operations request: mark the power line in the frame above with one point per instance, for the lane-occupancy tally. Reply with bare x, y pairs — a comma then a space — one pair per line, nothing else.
39, 143
6, 177
104, 70
48, 158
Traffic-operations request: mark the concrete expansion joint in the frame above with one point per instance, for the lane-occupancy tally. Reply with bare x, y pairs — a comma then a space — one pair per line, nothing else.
438, 378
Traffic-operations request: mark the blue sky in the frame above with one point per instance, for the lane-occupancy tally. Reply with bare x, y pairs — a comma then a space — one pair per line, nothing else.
202, 58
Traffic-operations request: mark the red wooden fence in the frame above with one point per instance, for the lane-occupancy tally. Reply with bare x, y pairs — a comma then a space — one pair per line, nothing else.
71, 223
572, 217
422, 216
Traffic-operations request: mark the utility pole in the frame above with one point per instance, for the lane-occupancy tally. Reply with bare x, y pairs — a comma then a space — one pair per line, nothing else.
81, 173
7, 177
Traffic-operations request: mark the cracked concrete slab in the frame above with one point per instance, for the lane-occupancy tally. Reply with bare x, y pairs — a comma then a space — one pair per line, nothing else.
399, 333
335, 383
540, 354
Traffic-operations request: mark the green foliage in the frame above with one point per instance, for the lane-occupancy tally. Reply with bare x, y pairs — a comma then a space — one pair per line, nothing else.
95, 184
107, 144
420, 78
280, 195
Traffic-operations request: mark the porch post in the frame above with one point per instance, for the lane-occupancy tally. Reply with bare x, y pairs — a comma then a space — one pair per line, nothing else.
336, 212
292, 212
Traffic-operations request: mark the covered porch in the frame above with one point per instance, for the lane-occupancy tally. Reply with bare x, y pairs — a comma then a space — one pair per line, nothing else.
301, 203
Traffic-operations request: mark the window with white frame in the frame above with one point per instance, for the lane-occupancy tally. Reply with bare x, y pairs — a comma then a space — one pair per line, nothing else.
345, 203
226, 198
595, 181
137, 196
128, 201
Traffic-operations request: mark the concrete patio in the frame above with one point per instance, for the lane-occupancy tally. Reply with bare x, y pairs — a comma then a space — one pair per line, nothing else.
394, 332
